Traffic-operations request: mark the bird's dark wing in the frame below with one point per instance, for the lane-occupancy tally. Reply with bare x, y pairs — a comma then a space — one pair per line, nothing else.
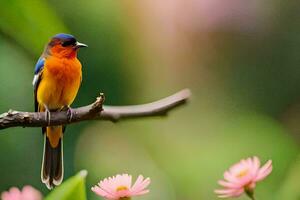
37, 78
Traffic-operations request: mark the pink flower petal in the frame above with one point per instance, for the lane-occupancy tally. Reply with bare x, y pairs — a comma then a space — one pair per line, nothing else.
226, 191
103, 193
264, 171
139, 187
230, 177
140, 184
30, 193
255, 165
235, 193
228, 184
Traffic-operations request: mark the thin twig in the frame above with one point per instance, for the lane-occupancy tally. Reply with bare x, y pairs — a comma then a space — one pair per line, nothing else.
94, 111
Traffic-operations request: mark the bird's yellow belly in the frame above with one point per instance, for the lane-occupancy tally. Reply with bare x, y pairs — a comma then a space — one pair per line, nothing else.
59, 86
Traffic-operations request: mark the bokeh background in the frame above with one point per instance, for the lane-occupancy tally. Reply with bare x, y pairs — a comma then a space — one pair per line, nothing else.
241, 59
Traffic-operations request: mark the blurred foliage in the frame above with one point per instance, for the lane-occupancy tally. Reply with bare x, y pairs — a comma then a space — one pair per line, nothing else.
243, 82
29, 23
290, 188
17, 145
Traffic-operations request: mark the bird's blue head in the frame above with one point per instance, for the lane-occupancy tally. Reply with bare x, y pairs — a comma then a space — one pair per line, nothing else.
64, 45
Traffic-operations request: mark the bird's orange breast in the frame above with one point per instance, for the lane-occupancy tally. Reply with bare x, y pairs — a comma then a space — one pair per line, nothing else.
60, 81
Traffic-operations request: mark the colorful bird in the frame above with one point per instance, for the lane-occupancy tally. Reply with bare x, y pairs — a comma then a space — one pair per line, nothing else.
57, 78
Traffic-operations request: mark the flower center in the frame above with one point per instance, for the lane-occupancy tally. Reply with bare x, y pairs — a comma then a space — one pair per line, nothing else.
121, 188
242, 173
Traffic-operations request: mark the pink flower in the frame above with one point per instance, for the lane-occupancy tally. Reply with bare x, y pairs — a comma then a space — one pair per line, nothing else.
27, 193
119, 187
242, 177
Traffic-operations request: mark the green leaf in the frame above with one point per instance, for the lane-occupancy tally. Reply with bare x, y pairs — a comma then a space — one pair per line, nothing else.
290, 188
73, 188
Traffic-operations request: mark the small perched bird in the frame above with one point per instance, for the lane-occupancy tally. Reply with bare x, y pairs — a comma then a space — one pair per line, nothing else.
57, 78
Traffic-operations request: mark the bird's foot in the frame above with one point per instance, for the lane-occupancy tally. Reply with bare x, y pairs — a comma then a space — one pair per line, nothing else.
69, 113
48, 115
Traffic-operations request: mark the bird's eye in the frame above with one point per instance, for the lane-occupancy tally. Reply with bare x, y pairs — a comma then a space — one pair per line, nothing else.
68, 43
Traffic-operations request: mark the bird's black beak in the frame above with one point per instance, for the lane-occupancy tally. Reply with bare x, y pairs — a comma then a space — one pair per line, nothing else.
80, 45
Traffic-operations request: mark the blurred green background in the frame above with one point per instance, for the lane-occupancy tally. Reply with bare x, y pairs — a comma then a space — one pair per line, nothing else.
240, 59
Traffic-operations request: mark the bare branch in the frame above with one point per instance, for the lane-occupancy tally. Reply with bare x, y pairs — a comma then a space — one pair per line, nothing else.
94, 111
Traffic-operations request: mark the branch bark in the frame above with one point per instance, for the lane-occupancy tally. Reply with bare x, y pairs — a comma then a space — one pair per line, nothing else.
94, 111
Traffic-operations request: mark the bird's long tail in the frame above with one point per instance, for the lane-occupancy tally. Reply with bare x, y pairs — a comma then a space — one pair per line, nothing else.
52, 165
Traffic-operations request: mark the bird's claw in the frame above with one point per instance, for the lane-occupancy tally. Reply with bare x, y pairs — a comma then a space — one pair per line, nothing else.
48, 116
69, 113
